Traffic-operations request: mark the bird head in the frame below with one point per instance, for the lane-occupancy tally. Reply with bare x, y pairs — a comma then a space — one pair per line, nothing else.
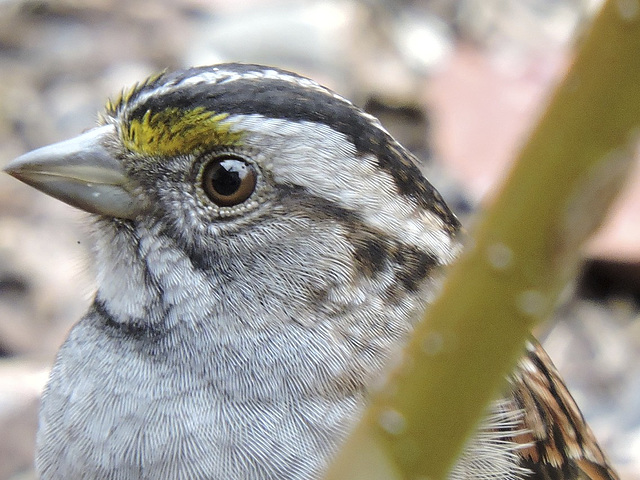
244, 166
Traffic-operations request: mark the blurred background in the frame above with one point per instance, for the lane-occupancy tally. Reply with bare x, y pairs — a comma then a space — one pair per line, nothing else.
459, 82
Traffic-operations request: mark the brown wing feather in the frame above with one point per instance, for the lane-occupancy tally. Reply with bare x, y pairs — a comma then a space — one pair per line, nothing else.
557, 442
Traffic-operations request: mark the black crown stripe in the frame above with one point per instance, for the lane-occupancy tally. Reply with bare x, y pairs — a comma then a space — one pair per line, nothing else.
282, 99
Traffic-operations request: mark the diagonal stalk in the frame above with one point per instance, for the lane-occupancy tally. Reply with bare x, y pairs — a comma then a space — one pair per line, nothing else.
525, 249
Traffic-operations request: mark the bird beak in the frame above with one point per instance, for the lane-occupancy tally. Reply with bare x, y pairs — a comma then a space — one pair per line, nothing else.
80, 172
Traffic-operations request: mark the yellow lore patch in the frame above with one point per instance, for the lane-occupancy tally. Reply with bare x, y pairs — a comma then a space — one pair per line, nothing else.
176, 131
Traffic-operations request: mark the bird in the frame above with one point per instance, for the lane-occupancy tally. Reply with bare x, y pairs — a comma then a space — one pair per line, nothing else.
263, 247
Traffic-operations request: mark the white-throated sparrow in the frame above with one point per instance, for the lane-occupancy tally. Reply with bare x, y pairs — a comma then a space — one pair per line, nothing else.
262, 246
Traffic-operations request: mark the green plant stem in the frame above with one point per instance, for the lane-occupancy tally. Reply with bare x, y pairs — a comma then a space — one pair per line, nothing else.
525, 249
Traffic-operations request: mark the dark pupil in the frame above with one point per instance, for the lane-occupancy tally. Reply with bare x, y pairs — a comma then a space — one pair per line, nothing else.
227, 178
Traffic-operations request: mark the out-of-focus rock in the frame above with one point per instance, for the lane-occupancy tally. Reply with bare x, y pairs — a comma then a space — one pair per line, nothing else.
21, 384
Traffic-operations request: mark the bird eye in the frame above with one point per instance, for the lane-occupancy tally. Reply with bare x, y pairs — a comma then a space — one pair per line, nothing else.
228, 181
